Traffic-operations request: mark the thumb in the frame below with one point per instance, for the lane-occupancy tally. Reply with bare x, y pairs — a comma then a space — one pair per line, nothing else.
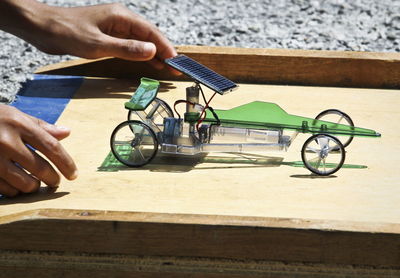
129, 49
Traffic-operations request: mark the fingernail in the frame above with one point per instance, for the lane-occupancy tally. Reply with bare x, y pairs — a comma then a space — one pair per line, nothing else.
62, 128
53, 186
56, 185
74, 175
51, 189
149, 48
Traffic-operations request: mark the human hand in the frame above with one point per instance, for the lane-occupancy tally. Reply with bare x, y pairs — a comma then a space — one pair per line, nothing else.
22, 169
99, 31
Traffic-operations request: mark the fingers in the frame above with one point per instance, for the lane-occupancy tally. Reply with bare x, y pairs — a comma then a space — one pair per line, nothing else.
44, 137
155, 63
146, 31
52, 149
17, 178
129, 49
164, 48
138, 38
58, 132
7, 190
136, 51
34, 164
22, 169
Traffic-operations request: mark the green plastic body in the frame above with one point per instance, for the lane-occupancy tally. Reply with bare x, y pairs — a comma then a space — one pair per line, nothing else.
144, 94
266, 115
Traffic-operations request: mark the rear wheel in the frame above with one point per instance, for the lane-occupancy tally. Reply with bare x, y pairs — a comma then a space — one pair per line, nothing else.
134, 143
323, 154
338, 117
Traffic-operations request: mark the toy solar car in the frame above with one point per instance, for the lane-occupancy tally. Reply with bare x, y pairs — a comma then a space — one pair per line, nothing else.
255, 126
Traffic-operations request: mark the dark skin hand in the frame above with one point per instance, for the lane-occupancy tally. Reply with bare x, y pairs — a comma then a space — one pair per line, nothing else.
109, 30
19, 129
88, 32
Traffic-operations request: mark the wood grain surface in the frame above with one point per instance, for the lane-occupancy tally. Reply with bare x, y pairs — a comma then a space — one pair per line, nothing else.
268, 185
220, 215
265, 66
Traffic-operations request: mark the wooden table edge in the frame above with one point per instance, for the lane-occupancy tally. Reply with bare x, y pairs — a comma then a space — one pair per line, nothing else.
257, 65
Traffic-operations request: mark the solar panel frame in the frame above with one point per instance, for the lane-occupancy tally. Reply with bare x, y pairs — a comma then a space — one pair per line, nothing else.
201, 74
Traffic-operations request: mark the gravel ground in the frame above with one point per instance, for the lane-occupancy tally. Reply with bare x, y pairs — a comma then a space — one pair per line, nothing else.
356, 25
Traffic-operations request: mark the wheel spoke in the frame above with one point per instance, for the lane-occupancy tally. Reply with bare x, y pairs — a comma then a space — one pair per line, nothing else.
120, 143
334, 148
315, 162
323, 142
314, 150
138, 152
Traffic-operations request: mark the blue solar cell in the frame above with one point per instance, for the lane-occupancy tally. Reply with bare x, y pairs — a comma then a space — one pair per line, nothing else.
201, 74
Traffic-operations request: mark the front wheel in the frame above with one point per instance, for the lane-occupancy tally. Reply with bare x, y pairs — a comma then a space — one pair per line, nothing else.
323, 154
134, 143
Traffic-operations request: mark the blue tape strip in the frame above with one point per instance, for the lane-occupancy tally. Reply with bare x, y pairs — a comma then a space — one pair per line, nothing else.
46, 96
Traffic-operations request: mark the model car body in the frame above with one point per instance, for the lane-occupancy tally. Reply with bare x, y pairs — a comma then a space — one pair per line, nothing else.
251, 127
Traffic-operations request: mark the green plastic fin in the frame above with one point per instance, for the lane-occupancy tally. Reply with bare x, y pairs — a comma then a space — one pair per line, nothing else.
266, 115
144, 94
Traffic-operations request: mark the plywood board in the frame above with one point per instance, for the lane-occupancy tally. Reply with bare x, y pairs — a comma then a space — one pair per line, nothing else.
232, 185
220, 215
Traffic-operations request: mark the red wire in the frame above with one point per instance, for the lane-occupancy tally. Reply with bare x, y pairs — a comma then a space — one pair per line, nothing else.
204, 112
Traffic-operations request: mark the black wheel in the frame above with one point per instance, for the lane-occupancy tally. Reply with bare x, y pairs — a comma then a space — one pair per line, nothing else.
155, 112
338, 117
133, 143
323, 154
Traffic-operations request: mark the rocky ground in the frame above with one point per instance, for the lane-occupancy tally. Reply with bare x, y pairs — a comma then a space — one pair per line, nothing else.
357, 25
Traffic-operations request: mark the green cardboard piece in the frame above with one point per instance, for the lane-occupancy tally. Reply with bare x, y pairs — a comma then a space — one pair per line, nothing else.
144, 94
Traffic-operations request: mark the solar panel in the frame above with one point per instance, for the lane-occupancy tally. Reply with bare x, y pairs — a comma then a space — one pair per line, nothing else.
201, 74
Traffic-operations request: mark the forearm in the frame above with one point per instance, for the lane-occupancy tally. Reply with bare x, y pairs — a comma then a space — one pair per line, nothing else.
25, 18
19, 17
